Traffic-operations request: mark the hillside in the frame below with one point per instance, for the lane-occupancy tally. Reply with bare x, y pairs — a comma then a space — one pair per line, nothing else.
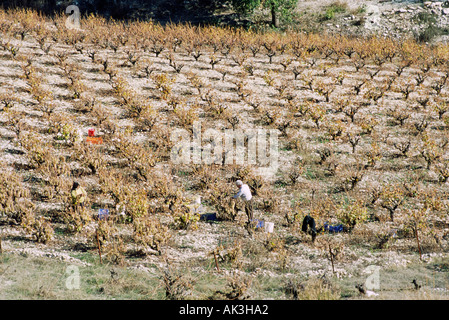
397, 18
362, 129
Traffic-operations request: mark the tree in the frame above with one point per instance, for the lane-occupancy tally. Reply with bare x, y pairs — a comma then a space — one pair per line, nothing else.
277, 7
245, 7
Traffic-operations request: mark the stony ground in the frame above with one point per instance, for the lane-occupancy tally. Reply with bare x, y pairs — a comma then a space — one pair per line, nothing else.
285, 254
397, 19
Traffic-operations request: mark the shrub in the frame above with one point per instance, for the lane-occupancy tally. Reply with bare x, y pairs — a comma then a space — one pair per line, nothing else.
138, 157
220, 198
428, 33
164, 84
42, 230
134, 105
12, 190
12, 199
443, 171
230, 253
75, 218
37, 90
184, 218
430, 151
8, 99
316, 114
114, 251
150, 232
417, 222
332, 9
314, 289
104, 232
186, 116
90, 157
392, 196
335, 129
332, 248
352, 213
352, 175
177, 285
64, 129
137, 204
238, 284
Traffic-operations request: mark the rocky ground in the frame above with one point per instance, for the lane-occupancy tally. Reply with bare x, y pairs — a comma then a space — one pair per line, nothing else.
397, 19
191, 249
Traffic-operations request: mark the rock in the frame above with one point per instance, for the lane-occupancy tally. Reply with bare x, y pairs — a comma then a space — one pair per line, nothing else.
437, 5
370, 293
433, 5
445, 11
374, 14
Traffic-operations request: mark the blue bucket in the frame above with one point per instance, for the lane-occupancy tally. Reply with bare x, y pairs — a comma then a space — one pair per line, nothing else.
333, 229
103, 214
260, 223
208, 217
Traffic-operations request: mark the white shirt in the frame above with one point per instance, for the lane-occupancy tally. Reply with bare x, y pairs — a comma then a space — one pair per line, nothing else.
244, 192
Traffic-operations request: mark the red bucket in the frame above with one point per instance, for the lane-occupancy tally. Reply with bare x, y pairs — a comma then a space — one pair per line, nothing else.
91, 132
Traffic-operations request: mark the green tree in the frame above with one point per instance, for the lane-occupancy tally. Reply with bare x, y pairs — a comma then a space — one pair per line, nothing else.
278, 8
245, 7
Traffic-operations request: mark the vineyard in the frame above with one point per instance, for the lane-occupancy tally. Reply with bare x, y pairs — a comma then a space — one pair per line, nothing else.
363, 134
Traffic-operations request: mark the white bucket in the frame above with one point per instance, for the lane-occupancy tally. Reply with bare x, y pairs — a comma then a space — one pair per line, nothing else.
269, 226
